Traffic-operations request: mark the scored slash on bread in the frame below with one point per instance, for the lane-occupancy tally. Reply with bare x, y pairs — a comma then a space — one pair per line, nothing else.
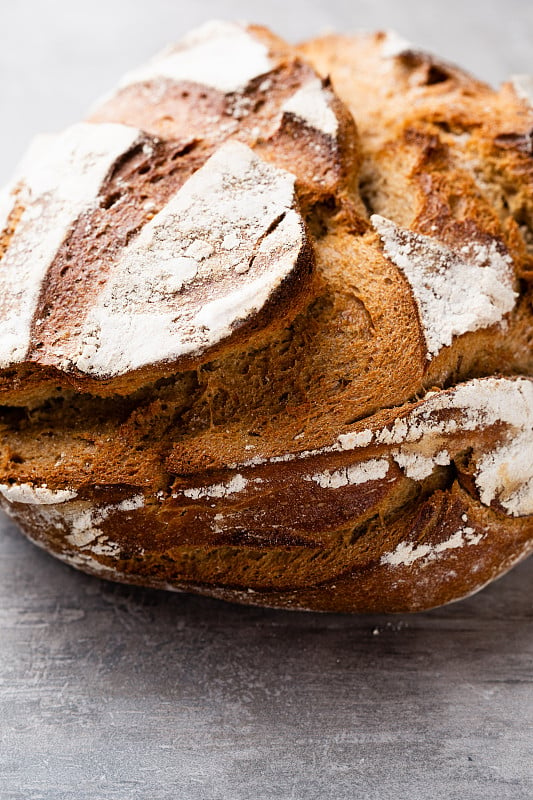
250, 349
193, 274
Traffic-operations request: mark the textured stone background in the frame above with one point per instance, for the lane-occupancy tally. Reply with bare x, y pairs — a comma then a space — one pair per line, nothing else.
122, 694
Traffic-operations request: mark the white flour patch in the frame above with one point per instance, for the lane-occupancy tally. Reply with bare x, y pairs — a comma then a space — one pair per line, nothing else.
60, 177
216, 315
84, 524
312, 104
236, 484
416, 465
209, 260
105, 547
35, 495
455, 292
506, 474
220, 55
394, 45
523, 86
373, 470
349, 441
407, 553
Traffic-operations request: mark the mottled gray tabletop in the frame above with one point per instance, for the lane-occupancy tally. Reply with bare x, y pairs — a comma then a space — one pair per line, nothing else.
123, 694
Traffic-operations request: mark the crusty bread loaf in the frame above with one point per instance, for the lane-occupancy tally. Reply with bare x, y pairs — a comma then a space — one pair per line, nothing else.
252, 348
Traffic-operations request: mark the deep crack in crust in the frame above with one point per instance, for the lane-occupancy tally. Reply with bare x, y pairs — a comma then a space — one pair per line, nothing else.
273, 467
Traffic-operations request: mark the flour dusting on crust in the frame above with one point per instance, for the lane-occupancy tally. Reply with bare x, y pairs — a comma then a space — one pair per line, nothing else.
220, 55
312, 104
236, 484
455, 291
394, 45
84, 523
503, 474
77, 521
207, 262
374, 469
418, 439
35, 495
523, 86
60, 177
407, 553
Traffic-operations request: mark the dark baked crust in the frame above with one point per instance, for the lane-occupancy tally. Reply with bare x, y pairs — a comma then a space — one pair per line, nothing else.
363, 442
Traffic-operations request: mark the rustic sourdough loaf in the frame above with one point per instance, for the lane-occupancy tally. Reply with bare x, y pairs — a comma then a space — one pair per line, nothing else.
252, 350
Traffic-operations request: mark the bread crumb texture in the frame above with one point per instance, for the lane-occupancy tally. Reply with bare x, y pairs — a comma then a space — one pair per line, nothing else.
266, 326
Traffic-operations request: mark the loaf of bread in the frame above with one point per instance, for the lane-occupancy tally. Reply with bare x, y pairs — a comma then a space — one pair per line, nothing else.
266, 326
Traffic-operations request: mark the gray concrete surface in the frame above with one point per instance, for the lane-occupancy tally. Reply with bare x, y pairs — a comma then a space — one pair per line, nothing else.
123, 694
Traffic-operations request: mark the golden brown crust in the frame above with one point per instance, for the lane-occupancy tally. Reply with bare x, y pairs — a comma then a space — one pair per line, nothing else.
304, 462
